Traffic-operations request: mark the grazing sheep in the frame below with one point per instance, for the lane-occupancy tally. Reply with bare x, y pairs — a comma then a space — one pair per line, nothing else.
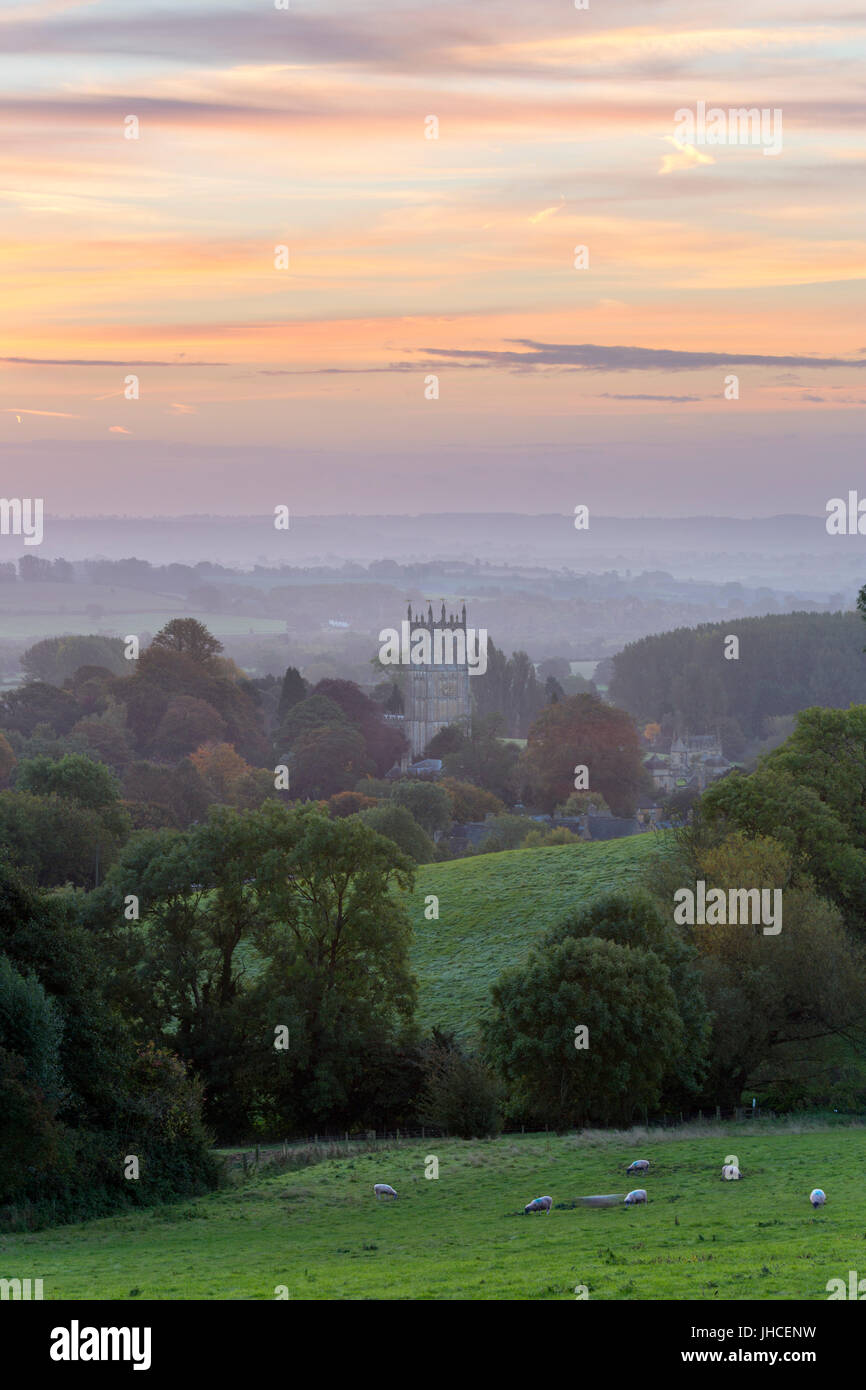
382, 1189
731, 1172
538, 1204
633, 1198
817, 1197
640, 1165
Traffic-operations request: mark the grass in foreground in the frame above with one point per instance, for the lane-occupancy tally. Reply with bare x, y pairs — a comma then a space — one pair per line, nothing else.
321, 1233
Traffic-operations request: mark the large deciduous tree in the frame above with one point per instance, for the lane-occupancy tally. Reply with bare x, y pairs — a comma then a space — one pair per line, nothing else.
189, 637
584, 731
275, 918
621, 994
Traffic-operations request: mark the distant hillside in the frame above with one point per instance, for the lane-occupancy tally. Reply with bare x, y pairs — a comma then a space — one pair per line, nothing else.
493, 906
787, 662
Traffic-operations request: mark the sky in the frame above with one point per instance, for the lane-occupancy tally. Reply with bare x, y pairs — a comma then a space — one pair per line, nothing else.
425, 340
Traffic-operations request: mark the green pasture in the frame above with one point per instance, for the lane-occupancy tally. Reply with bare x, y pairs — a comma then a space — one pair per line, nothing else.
319, 1232
493, 906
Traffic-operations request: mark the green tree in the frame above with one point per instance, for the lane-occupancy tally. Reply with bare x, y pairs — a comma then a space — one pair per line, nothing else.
189, 637
56, 659
35, 703
178, 794
345, 954
310, 900
635, 920
70, 1146
772, 998
31, 1025
484, 759
621, 994
327, 760
74, 777
305, 716
58, 841
400, 825
468, 802
461, 1094
429, 804
292, 691
506, 832
809, 794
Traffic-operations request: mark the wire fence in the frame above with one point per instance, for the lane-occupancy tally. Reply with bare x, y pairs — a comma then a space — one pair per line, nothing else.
301, 1152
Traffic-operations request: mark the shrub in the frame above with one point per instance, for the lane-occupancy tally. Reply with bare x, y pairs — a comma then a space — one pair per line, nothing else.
461, 1095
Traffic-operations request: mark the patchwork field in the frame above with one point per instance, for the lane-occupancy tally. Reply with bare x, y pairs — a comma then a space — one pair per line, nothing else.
320, 1233
493, 906
33, 611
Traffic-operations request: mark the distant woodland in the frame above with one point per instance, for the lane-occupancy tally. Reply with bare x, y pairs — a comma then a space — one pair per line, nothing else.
787, 662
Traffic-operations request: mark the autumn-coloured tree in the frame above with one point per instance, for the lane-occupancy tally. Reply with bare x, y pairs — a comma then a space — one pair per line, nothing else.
470, 803
163, 673
584, 731
219, 766
186, 724
7, 760
230, 779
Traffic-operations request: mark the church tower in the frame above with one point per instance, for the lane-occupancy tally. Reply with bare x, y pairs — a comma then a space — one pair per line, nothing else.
437, 694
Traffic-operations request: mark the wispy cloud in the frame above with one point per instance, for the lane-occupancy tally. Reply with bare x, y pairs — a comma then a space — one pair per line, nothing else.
619, 396
594, 357
685, 157
104, 362
58, 414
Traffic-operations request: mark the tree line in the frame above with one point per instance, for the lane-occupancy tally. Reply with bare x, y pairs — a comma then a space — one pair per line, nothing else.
787, 662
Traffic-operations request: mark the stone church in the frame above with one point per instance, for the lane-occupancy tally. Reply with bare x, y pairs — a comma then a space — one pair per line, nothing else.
435, 695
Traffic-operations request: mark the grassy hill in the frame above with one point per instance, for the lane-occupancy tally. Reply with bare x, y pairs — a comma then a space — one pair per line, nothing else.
493, 906
320, 1233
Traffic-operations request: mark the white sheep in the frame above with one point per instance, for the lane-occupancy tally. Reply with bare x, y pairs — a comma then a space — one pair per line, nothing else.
538, 1204
731, 1172
633, 1198
382, 1189
817, 1197
640, 1165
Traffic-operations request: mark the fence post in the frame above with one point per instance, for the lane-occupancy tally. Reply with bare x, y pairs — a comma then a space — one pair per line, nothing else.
257, 1155
244, 1157
718, 1113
